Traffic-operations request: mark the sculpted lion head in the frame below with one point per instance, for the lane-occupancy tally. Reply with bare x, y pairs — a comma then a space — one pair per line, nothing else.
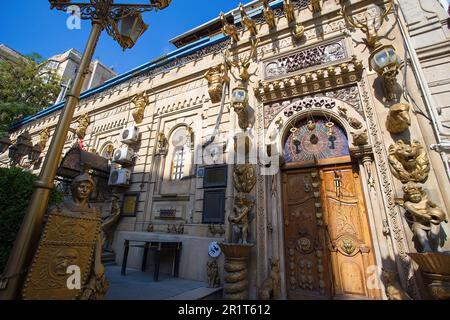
409, 162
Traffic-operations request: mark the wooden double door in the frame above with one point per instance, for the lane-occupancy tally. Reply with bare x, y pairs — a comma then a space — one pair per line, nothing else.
328, 246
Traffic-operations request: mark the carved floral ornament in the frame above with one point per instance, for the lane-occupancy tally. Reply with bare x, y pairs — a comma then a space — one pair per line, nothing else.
344, 114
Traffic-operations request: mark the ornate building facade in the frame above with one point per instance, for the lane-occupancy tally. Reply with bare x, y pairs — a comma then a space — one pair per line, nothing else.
297, 128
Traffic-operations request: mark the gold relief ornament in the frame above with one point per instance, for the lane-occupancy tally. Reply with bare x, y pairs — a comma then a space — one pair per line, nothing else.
44, 135
348, 246
424, 216
299, 31
229, 29
162, 144
360, 138
244, 177
71, 240
409, 162
398, 119
271, 286
140, 101
269, 15
244, 63
372, 22
216, 77
83, 123
247, 21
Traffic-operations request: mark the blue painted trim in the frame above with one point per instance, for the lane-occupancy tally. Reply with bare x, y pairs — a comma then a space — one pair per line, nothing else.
158, 62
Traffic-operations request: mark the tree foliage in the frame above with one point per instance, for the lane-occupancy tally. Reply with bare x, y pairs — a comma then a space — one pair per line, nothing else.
25, 89
16, 188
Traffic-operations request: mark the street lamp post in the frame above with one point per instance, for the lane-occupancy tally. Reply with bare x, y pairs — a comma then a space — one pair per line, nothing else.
104, 14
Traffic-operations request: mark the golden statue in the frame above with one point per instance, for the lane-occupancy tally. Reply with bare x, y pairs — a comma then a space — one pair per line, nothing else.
110, 222
163, 144
271, 287
140, 101
44, 135
240, 220
229, 29
216, 77
299, 30
71, 241
212, 271
409, 162
289, 10
398, 119
83, 123
371, 24
269, 15
247, 21
425, 217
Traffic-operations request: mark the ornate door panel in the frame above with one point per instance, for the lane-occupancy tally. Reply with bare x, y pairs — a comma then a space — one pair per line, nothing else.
348, 236
307, 266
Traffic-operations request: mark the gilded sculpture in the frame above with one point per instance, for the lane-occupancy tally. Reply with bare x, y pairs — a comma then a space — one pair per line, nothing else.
247, 21
269, 15
371, 23
244, 177
229, 29
289, 10
212, 271
240, 220
71, 238
394, 290
316, 6
424, 216
299, 30
271, 287
44, 135
398, 119
216, 77
83, 123
409, 162
244, 63
360, 138
140, 101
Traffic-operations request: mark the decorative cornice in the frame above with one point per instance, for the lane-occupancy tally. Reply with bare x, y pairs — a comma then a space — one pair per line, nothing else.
310, 82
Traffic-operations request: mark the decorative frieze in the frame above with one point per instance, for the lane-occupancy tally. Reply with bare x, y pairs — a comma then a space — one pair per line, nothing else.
310, 82
304, 59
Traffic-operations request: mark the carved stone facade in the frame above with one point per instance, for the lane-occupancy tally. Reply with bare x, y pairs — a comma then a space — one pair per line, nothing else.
186, 176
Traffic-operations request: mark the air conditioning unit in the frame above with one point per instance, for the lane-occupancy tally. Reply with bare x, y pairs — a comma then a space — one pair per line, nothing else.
130, 135
119, 177
123, 155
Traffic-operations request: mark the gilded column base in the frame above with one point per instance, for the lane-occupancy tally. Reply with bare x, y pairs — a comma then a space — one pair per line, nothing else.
236, 270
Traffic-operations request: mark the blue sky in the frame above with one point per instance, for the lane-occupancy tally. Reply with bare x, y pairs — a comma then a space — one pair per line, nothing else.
30, 26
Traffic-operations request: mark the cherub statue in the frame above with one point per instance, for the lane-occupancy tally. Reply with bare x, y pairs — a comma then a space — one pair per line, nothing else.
425, 217
71, 239
229, 29
83, 123
140, 101
240, 220
216, 76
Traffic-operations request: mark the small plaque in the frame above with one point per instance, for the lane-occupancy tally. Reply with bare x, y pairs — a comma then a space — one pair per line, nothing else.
214, 250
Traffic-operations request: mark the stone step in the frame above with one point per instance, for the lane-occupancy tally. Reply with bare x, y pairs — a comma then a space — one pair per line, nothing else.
202, 293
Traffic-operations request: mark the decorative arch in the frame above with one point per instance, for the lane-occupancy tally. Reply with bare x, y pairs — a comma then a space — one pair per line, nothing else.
341, 113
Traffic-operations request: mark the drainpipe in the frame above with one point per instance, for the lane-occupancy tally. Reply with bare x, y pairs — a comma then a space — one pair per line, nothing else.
441, 146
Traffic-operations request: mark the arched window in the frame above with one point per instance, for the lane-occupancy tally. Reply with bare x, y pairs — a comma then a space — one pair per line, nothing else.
180, 153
